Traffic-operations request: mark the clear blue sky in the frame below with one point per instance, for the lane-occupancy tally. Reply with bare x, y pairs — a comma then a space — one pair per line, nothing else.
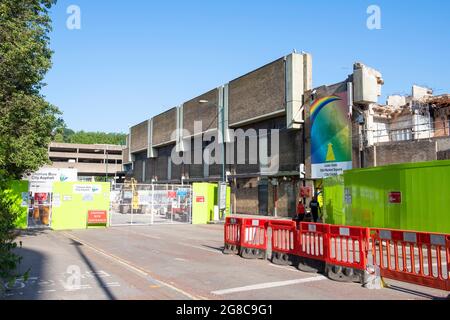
134, 59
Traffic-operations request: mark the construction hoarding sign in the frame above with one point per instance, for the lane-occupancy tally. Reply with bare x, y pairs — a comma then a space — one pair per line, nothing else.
331, 143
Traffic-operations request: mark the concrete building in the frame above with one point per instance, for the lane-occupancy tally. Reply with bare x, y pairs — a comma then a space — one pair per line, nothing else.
278, 96
91, 160
275, 96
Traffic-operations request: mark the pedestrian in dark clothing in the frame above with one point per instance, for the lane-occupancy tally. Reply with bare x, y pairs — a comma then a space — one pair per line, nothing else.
315, 209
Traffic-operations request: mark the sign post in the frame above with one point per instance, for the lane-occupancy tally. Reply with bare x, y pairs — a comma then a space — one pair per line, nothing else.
222, 196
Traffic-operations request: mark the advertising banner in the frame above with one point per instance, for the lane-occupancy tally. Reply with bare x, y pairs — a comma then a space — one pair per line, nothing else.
331, 142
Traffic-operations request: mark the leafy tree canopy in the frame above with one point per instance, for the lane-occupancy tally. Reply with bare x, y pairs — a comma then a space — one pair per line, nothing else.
26, 119
63, 134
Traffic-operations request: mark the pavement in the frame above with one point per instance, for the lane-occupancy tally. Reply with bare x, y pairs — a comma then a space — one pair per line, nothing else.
171, 262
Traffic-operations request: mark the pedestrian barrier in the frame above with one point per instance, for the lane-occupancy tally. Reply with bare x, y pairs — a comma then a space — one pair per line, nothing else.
253, 238
347, 253
414, 257
232, 235
284, 242
313, 246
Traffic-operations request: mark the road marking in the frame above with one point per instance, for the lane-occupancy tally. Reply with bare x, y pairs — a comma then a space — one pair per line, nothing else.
268, 285
130, 266
180, 259
46, 291
140, 234
112, 284
201, 248
283, 267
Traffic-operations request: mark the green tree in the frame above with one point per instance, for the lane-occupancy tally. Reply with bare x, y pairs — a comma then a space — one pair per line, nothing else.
64, 134
27, 121
97, 138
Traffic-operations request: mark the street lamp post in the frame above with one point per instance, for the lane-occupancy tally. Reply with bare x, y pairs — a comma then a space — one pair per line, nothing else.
222, 121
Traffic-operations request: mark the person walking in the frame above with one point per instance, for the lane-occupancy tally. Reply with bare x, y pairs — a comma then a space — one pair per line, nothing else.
315, 209
300, 211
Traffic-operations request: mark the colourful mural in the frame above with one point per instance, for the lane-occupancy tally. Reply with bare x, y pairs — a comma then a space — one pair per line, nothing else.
331, 144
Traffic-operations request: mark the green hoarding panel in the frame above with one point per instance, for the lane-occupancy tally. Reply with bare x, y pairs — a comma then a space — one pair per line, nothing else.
204, 200
73, 200
407, 196
19, 191
333, 206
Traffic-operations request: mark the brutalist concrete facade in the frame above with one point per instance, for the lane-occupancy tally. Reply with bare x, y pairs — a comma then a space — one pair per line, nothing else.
254, 101
275, 96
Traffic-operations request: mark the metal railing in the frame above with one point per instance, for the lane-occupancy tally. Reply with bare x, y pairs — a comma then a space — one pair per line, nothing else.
147, 204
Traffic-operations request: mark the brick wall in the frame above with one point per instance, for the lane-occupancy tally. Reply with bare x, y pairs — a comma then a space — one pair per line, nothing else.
405, 151
205, 112
245, 193
139, 137
258, 93
163, 126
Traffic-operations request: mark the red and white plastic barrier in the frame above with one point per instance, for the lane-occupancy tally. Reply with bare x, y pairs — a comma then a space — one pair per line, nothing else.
313, 241
232, 235
347, 246
414, 257
346, 252
284, 236
284, 241
253, 238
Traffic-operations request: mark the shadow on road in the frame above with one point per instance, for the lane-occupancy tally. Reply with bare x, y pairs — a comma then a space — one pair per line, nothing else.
414, 292
219, 249
91, 267
33, 262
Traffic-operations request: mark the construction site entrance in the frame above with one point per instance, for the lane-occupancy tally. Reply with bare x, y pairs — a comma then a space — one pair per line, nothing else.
147, 204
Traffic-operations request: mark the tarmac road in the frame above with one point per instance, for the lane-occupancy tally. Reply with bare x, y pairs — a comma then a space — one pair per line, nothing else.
171, 262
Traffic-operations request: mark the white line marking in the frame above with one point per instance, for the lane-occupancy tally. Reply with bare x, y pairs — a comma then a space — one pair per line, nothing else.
268, 285
201, 248
180, 259
284, 267
130, 266
46, 291
139, 234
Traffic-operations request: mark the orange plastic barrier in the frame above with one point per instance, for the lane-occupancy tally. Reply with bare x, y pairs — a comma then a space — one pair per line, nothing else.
414, 257
347, 246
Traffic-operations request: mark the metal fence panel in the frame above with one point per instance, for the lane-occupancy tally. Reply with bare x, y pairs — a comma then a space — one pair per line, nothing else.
146, 204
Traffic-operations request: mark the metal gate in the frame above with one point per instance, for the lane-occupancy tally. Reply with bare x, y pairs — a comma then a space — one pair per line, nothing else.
147, 204
39, 210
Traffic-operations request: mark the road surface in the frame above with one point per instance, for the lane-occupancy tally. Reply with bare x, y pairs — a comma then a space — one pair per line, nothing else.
170, 262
